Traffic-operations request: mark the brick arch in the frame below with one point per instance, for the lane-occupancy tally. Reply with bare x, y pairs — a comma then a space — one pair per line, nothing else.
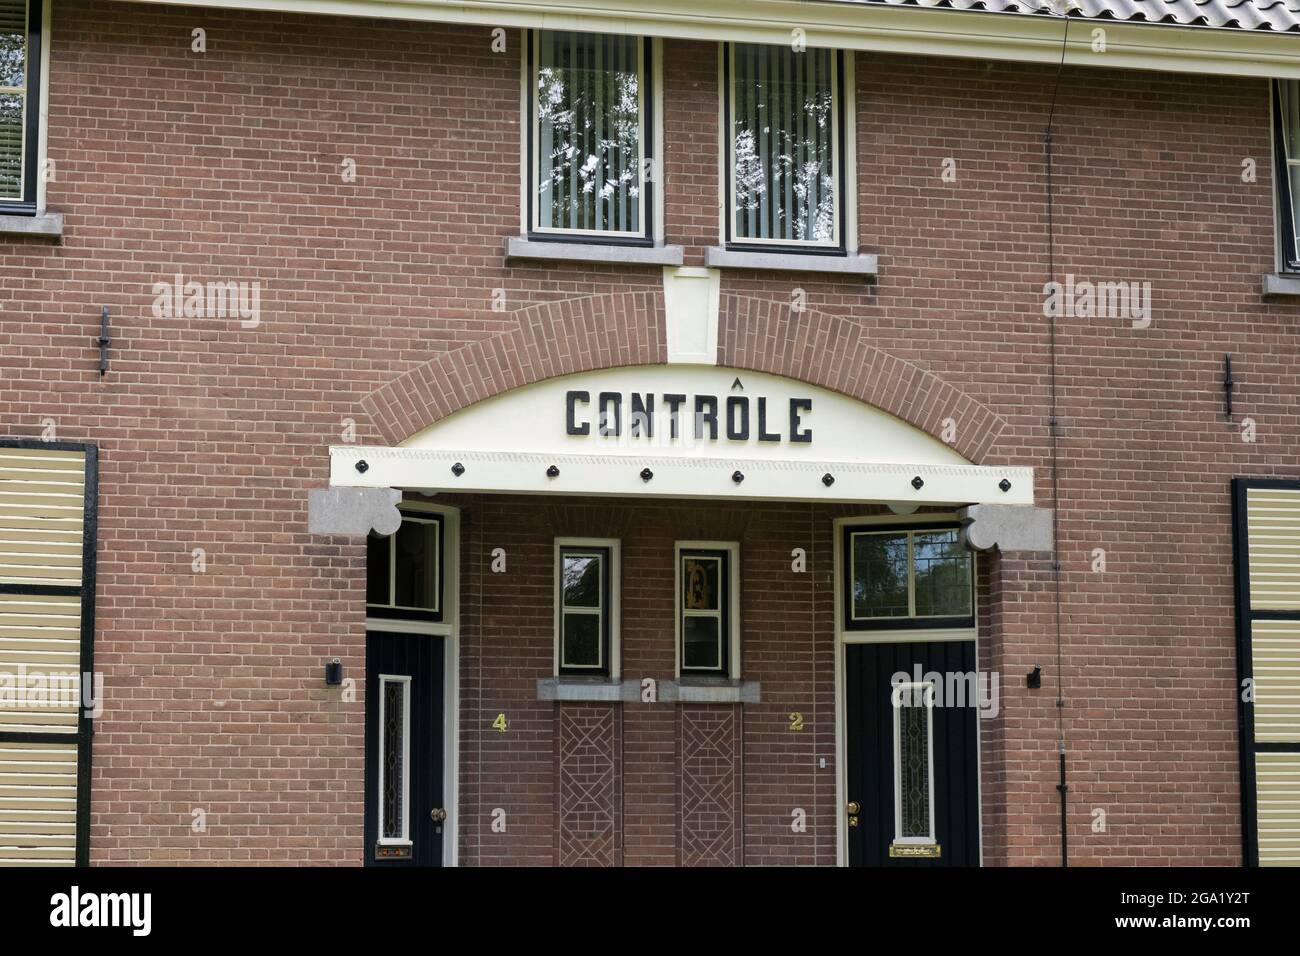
627, 328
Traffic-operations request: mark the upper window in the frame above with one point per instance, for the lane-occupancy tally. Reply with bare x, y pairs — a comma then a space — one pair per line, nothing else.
586, 606
589, 136
908, 578
20, 110
786, 162
706, 609
1287, 139
404, 570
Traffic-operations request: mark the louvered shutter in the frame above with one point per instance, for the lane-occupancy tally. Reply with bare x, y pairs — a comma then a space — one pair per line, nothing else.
47, 547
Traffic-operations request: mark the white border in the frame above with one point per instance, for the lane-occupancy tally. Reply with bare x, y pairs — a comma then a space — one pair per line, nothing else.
843, 638
733, 603
405, 838
449, 629
615, 603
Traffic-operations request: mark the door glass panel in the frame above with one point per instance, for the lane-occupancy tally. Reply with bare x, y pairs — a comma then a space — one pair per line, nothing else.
912, 760
394, 751
879, 575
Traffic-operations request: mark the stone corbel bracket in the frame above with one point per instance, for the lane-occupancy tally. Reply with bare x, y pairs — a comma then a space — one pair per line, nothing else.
353, 511
1006, 527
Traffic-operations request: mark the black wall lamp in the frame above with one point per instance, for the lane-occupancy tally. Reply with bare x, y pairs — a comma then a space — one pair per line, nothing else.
1034, 679
333, 672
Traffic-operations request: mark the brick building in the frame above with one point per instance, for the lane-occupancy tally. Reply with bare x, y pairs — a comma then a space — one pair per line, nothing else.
489, 434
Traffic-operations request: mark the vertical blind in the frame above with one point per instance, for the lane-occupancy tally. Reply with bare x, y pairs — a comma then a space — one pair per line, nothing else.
589, 133
783, 144
13, 95
1290, 102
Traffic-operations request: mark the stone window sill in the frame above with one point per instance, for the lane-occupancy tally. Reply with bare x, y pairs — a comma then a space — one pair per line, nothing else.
47, 225
520, 247
710, 691
1281, 285
580, 689
863, 265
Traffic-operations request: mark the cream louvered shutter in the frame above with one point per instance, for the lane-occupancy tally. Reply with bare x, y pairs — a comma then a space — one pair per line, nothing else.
1267, 519
47, 510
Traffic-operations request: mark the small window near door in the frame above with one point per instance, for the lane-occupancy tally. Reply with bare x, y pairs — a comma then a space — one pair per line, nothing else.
404, 574
394, 759
585, 607
919, 577
913, 706
706, 609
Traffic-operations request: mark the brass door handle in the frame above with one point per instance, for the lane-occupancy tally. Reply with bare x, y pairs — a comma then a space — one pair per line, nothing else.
438, 815
853, 807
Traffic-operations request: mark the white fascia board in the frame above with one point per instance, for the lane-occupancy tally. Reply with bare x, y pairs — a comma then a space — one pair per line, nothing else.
498, 472
849, 26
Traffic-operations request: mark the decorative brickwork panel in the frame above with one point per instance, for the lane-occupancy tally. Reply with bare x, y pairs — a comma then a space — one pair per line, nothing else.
710, 779
589, 777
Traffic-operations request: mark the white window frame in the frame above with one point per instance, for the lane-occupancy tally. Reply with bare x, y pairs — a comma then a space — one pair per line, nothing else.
911, 577
1282, 188
648, 213
732, 548
405, 838
612, 612
35, 203
439, 570
896, 700
842, 146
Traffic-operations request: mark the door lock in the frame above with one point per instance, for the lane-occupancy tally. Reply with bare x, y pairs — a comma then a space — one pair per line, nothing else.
438, 815
853, 808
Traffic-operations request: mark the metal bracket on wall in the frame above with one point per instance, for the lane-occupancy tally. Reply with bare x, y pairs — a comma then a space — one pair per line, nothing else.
104, 341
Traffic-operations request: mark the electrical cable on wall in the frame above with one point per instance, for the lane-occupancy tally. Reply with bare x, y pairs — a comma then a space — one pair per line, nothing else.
1054, 430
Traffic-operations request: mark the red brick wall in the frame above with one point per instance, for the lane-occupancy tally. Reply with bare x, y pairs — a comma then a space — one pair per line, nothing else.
226, 166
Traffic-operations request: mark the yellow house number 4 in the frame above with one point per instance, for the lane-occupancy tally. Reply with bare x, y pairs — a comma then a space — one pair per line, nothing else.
500, 723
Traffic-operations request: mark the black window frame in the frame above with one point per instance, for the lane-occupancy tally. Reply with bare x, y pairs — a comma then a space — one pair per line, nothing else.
648, 152
724, 606
388, 611
25, 205
1286, 224
730, 242
910, 623
606, 555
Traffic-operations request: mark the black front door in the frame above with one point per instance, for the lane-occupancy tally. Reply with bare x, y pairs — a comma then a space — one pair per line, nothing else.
913, 765
405, 812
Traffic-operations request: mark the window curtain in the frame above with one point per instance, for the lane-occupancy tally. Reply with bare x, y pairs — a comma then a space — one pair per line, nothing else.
588, 133
783, 144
